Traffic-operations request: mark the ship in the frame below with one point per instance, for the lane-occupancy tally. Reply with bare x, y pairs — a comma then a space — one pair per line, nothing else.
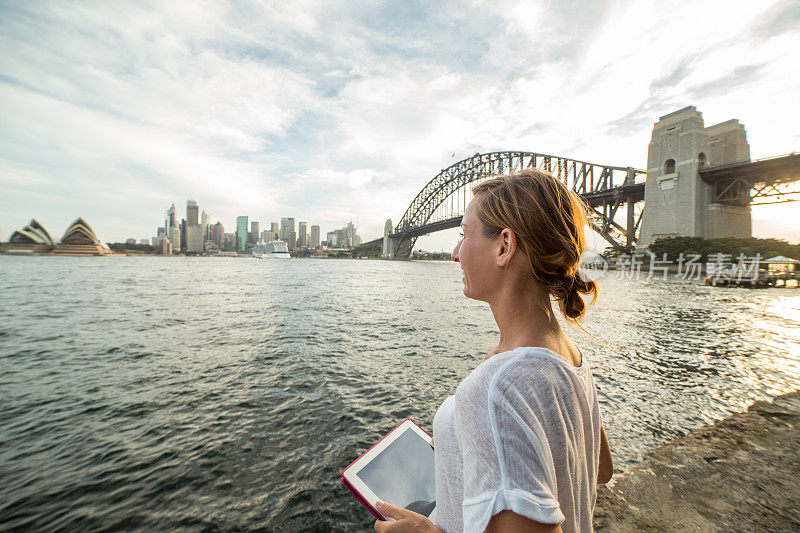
271, 250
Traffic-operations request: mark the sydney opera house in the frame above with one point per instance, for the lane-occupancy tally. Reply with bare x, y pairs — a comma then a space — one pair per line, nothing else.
79, 239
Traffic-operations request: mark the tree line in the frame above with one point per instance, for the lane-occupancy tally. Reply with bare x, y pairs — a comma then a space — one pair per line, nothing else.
674, 246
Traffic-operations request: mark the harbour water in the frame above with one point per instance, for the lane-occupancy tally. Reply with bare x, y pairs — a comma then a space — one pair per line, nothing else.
143, 393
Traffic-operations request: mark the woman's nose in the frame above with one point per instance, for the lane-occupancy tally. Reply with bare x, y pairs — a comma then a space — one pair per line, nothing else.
454, 255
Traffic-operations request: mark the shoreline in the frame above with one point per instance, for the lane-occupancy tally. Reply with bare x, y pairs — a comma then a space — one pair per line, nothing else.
738, 474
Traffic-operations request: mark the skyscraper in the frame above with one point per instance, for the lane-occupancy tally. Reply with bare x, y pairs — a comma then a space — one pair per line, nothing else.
350, 234
314, 237
174, 237
216, 233
191, 213
302, 238
183, 235
253, 236
241, 234
205, 222
287, 226
194, 239
292, 240
171, 221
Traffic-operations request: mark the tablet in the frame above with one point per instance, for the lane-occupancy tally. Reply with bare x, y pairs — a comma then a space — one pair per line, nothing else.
398, 469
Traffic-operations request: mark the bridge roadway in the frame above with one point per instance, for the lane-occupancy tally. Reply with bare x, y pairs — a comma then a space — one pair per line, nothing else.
597, 199
741, 183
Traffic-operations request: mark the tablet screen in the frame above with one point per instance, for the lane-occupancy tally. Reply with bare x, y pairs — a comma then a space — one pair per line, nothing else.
403, 474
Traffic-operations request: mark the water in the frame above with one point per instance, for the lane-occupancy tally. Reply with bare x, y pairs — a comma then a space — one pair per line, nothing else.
228, 394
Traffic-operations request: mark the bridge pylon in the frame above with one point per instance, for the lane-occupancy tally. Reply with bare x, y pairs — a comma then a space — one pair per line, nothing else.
389, 244
678, 202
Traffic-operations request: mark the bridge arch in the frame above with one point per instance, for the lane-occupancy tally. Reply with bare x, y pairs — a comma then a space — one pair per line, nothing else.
604, 188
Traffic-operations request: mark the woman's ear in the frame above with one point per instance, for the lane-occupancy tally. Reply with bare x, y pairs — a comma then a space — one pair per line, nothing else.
507, 242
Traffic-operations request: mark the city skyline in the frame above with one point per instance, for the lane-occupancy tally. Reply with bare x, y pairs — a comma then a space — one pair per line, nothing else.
274, 116
195, 234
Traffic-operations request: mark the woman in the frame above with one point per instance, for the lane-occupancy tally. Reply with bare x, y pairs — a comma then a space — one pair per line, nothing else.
520, 446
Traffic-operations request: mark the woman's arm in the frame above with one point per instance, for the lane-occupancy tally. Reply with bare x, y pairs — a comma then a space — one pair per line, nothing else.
606, 469
511, 522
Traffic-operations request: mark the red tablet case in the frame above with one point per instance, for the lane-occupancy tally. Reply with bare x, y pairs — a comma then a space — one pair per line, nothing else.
353, 490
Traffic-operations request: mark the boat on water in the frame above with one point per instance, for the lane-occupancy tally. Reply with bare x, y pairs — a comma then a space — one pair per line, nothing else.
271, 250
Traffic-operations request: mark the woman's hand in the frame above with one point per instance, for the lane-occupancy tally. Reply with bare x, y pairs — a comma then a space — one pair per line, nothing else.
405, 521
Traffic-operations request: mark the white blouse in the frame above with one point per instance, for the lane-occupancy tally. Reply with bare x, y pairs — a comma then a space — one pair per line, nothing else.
522, 433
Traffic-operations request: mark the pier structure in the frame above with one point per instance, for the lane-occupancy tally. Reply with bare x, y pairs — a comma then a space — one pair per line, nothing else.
778, 271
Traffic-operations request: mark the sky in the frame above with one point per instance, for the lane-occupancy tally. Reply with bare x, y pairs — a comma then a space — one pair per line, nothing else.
336, 111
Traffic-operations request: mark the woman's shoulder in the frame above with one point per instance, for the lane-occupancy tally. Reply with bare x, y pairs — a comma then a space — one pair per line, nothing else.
531, 369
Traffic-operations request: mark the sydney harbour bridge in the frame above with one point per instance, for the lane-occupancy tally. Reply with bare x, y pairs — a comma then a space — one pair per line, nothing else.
699, 181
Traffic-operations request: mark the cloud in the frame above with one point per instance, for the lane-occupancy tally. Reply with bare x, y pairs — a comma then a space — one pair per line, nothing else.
740, 76
326, 111
782, 17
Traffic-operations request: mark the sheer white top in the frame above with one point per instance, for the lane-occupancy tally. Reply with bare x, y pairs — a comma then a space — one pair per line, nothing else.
522, 432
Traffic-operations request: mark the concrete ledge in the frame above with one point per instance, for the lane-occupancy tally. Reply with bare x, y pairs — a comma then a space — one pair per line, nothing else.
739, 474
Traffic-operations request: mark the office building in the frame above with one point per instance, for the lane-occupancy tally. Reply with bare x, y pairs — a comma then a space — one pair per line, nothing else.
350, 234
194, 240
241, 234
253, 236
183, 236
302, 238
191, 213
314, 241
345, 237
215, 233
287, 226
174, 238
292, 240
333, 240
275, 230
205, 222
228, 242
171, 220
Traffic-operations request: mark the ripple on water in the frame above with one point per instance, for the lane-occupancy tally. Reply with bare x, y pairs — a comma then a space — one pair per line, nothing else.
220, 394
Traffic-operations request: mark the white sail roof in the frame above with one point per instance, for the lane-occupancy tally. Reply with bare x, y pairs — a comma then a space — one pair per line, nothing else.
33, 233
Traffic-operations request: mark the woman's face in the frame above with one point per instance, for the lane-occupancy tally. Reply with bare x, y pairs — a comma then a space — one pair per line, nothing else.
477, 256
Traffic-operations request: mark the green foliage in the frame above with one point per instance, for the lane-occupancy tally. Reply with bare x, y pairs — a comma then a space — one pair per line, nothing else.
727, 245
371, 250
121, 248
432, 256
616, 251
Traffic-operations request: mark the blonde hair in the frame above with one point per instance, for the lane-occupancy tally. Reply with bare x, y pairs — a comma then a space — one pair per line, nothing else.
548, 221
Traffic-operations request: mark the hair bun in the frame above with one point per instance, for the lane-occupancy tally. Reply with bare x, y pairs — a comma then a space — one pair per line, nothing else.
569, 296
